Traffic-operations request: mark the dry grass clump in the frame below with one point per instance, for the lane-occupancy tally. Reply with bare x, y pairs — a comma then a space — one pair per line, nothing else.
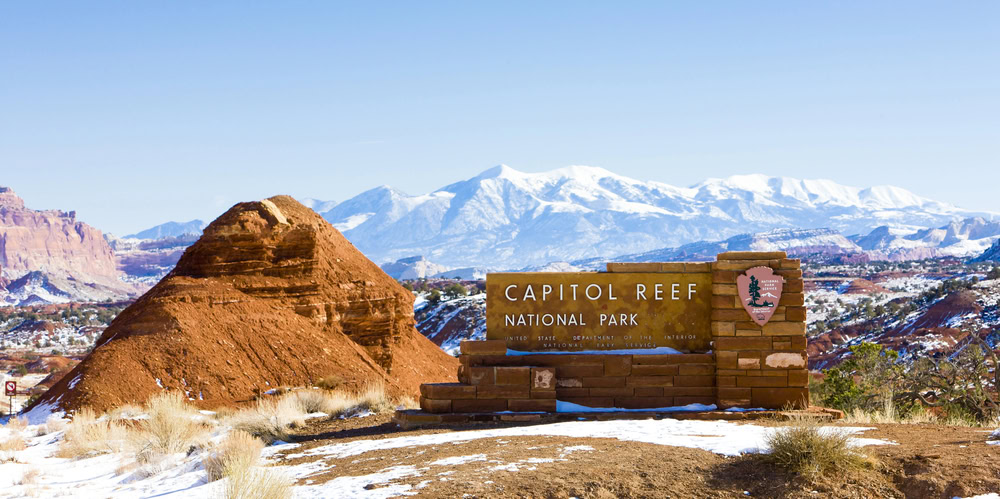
374, 398
171, 426
330, 382
127, 411
88, 435
256, 482
233, 456
805, 449
16, 424
51, 425
270, 419
29, 477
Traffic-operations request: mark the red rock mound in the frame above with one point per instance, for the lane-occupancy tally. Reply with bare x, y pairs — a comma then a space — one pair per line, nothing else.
864, 287
270, 295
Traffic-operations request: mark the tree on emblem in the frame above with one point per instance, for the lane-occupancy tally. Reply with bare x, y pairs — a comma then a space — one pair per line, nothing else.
754, 290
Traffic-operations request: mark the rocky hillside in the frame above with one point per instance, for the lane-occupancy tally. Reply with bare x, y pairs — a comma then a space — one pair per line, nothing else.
49, 256
271, 295
504, 218
992, 254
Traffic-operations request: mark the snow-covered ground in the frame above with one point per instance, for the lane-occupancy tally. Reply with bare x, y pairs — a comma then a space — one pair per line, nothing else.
36, 471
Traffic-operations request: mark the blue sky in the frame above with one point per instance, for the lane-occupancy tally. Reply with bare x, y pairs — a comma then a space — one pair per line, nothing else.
135, 113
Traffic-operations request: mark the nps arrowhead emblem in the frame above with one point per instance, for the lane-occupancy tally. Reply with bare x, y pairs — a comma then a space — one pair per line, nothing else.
760, 291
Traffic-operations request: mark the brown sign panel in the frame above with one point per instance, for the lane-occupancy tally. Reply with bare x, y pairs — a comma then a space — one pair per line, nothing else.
759, 291
575, 311
10, 388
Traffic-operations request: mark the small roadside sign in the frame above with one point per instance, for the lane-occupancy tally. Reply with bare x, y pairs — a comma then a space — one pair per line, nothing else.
10, 388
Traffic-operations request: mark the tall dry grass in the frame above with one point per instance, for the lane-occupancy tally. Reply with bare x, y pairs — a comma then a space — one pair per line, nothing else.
256, 482
89, 435
270, 419
172, 425
803, 447
233, 456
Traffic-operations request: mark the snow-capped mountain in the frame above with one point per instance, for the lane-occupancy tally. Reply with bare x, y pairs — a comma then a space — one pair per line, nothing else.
510, 219
170, 229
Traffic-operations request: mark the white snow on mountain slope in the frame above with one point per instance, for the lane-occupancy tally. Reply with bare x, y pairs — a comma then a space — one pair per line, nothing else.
505, 218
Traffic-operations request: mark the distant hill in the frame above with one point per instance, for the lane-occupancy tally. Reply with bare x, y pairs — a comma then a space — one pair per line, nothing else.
170, 229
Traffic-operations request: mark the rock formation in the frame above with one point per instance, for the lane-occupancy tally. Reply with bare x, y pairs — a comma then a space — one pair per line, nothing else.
54, 244
270, 295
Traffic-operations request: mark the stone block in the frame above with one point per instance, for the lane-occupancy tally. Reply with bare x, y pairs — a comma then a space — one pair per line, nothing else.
798, 378
655, 370
751, 255
463, 374
643, 402
612, 392
749, 363
604, 382
569, 383
789, 274
435, 406
795, 314
779, 398
579, 371
725, 381
730, 372
749, 332
723, 328
650, 381
671, 267
531, 405
798, 342
733, 393
648, 391
789, 263
785, 360
563, 393
725, 302
447, 391
724, 289
761, 381
742, 343
484, 347
479, 405
502, 392
543, 378
685, 358
696, 369
792, 299
513, 375
617, 365
741, 265
697, 266
705, 380
781, 345
724, 277
689, 391
548, 394
785, 329
482, 375
730, 403
726, 360
793, 286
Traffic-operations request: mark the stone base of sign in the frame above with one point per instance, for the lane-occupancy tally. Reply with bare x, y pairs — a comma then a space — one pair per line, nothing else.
748, 366
416, 418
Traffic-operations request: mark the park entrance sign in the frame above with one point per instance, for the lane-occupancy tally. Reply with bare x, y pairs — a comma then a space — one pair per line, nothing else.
651, 336
581, 311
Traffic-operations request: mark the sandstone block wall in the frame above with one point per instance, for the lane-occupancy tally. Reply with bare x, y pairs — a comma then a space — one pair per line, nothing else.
749, 366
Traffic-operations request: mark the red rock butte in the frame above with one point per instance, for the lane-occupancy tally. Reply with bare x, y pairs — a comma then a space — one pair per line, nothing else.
271, 295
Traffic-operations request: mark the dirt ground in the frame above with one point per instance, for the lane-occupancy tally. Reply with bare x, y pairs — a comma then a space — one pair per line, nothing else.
930, 461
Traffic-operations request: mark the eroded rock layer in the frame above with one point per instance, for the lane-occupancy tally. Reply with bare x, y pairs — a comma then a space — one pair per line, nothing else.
270, 295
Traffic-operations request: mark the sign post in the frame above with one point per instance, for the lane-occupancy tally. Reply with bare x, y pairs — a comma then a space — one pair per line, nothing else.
10, 389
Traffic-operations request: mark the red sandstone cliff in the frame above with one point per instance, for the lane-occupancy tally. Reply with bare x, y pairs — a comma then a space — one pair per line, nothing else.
270, 295
70, 253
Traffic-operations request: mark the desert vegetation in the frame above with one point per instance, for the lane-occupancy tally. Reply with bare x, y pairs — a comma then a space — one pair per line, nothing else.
873, 385
807, 449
